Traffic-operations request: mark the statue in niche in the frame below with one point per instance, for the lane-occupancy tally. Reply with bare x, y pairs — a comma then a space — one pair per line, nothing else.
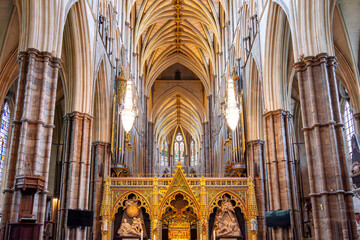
132, 207
226, 223
132, 223
133, 229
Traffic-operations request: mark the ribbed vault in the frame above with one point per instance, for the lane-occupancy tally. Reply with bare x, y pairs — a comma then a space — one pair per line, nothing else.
177, 31
178, 107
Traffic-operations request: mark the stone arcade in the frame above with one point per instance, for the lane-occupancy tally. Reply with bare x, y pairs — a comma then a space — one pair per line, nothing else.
179, 119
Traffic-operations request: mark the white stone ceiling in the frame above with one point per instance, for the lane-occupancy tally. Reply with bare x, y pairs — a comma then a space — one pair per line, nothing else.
177, 31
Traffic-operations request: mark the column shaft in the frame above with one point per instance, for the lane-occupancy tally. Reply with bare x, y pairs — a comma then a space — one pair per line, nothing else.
99, 171
257, 170
27, 175
331, 194
281, 172
74, 193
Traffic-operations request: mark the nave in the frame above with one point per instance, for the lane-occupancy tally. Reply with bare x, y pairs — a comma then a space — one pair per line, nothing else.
179, 119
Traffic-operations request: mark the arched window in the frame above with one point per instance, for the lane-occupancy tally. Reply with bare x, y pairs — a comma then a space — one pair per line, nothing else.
179, 149
349, 125
5, 119
176, 148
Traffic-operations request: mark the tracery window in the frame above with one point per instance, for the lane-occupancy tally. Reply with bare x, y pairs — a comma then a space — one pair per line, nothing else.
179, 148
349, 125
5, 119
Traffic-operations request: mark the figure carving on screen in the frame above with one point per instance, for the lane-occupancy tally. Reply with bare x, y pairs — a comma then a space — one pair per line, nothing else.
226, 223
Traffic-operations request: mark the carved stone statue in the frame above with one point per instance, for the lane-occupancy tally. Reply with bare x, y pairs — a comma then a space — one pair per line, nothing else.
134, 229
226, 223
131, 202
131, 206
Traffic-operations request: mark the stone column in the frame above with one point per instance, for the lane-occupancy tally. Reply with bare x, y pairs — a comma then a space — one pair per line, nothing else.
210, 136
100, 169
206, 144
27, 175
357, 122
331, 194
74, 193
150, 148
257, 170
281, 172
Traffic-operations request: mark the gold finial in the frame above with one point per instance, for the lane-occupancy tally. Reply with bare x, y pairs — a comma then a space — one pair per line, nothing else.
234, 74
178, 166
178, 108
121, 75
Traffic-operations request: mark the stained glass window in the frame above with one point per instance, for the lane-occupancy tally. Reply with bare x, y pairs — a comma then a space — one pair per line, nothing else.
349, 125
5, 119
179, 149
179, 138
182, 152
176, 148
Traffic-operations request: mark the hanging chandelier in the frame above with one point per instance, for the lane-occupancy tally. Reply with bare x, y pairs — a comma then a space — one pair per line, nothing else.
128, 112
232, 111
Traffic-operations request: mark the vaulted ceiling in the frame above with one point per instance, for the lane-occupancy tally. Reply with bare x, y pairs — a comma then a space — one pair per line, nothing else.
167, 32
177, 31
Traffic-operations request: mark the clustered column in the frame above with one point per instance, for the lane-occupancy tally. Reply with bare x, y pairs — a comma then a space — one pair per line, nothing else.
357, 122
99, 172
27, 175
281, 171
331, 195
257, 170
74, 193
150, 157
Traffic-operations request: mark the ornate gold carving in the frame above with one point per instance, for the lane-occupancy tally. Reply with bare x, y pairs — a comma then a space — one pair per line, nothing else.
125, 200
128, 141
235, 170
105, 211
119, 170
177, 5
155, 195
234, 74
252, 208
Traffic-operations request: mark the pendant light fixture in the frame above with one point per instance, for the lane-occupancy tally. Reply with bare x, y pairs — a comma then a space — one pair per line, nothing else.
128, 112
232, 111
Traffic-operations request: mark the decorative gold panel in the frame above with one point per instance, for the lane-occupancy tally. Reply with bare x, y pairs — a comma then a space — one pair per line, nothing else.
202, 195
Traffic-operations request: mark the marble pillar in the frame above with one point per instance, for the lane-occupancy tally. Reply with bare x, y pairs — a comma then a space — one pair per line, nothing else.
281, 172
74, 193
357, 122
330, 190
100, 170
256, 168
27, 173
